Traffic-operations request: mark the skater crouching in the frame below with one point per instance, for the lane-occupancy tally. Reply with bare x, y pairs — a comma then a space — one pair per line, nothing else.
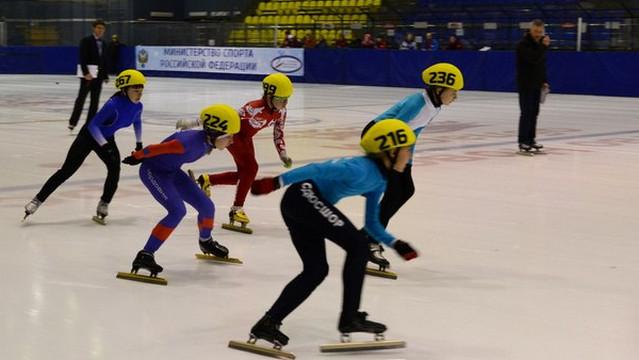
255, 115
443, 81
310, 215
121, 110
160, 172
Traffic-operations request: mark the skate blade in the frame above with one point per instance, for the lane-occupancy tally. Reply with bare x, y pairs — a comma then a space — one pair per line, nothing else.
218, 259
526, 153
99, 220
379, 273
363, 346
141, 278
242, 229
261, 350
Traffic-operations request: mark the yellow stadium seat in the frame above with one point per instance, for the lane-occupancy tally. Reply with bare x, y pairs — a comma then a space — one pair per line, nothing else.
377, 3
307, 20
312, 4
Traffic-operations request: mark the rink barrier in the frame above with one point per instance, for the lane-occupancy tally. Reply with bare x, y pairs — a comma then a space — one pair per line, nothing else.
588, 73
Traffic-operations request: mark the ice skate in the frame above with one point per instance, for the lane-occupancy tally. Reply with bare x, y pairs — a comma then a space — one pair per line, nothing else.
237, 215
215, 251
71, 127
203, 182
102, 212
267, 329
31, 207
358, 323
144, 260
526, 150
537, 149
376, 257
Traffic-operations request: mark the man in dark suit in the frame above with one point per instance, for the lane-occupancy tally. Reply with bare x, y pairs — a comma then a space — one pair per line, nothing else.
531, 80
93, 51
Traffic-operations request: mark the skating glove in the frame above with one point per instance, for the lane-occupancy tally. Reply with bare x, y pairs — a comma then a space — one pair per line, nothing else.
265, 185
131, 160
138, 146
404, 250
286, 161
185, 124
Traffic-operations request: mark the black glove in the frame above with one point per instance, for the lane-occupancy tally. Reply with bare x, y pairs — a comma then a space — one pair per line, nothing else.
111, 152
130, 160
404, 250
138, 146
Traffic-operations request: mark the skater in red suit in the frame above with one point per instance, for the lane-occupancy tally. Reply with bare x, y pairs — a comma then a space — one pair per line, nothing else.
255, 115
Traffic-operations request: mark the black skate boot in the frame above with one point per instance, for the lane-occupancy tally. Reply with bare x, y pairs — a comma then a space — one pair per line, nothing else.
212, 247
525, 149
145, 260
357, 323
376, 257
268, 329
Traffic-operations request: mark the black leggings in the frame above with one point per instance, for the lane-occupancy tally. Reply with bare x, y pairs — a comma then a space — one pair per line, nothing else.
311, 219
399, 189
80, 149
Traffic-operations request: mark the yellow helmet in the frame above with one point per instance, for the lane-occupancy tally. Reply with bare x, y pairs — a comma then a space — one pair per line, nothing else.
129, 77
220, 118
386, 135
277, 84
444, 75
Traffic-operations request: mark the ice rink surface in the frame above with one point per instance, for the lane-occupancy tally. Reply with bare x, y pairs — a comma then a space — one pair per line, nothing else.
520, 258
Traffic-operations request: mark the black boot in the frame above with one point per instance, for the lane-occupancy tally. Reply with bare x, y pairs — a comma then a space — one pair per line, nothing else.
214, 248
145, 260
269, 329
357, 323
376, 257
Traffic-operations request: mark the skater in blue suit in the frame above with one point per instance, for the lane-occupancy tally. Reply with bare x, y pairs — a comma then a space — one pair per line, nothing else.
443, 81
308, 209
161, 173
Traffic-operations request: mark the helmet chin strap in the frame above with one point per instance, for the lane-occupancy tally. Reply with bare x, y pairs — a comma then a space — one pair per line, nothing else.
436, 99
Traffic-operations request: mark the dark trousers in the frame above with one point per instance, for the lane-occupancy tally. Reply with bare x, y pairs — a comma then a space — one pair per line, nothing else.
311, 219
80, 149
529, 109
95, 87
399, 189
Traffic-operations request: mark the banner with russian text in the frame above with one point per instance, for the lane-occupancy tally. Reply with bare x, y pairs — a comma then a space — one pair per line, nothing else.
229, 60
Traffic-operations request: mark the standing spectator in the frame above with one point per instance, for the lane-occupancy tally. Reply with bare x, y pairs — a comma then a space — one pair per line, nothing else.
92, 52
531, 79
114, 54
341, 41
454, 43
368, 42
431, 44
409, 42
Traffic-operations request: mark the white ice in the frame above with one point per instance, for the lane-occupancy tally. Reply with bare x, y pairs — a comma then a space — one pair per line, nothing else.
520, 258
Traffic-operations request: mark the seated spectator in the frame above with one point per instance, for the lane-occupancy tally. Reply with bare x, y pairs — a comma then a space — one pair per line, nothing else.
290, 41
368, 42
381, 43
409, 42
341, 41
309, 40
454, 43
430, 43
322, 42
